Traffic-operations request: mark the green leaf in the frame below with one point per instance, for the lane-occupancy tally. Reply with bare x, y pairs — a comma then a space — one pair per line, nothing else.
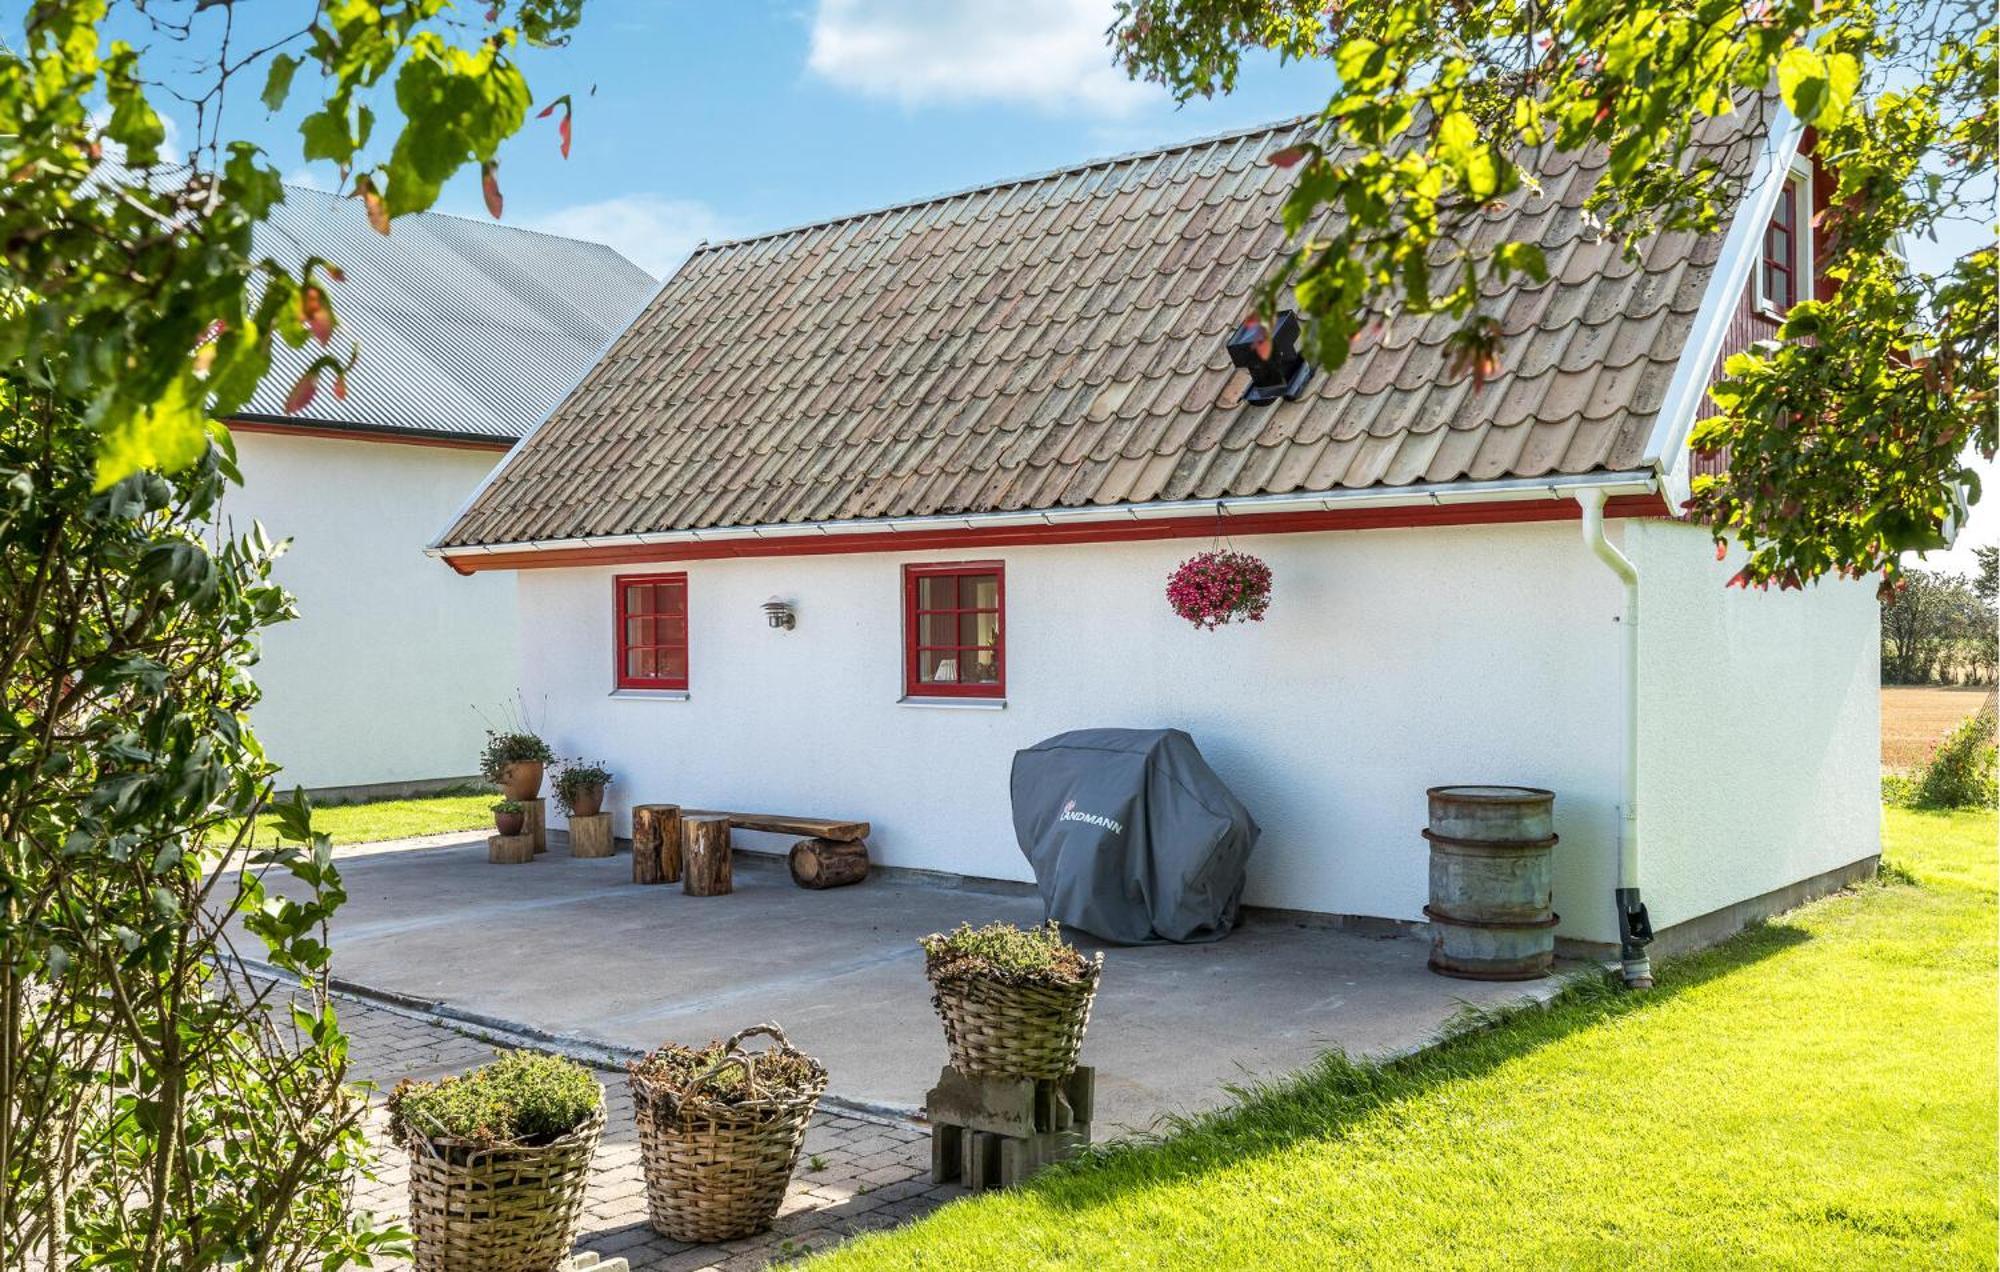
278, 84
168, 435
1802, 79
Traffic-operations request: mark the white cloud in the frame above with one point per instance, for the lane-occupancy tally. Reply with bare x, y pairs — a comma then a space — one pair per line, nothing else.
654, 233
1048, 53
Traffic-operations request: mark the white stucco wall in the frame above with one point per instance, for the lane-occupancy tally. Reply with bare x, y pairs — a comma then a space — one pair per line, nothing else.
381, 677
1760, 759
1391, 661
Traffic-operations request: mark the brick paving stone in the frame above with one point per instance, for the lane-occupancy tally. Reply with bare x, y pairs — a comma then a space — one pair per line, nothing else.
875, 1172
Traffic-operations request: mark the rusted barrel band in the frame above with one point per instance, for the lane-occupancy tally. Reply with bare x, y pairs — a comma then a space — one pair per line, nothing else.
1527, 925
1503, 844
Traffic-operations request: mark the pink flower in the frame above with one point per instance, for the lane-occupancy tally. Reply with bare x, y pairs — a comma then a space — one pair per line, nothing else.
1214, 588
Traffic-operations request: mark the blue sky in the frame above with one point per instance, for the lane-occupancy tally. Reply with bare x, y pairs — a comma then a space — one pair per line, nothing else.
709, 121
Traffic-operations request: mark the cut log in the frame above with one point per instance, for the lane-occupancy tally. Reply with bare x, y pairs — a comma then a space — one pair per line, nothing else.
656, 843
782, 824
535, 822
829, 863
705, 856
590, 836
510, 850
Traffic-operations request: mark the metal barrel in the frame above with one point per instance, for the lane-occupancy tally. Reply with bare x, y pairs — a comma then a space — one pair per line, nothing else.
1492, 891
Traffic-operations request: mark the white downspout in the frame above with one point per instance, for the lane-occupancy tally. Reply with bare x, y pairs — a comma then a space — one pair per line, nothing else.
1635, 930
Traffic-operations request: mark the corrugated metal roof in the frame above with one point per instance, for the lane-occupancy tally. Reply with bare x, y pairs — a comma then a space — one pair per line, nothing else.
1059, 342
466, 327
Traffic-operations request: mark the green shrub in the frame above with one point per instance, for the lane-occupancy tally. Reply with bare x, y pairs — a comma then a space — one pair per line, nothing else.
524, 1097
1897, 789
1002, 951
507, 806
503, 749
1961, 772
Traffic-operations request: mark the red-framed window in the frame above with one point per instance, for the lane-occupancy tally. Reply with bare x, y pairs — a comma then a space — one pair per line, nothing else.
1781, 251
652, 620
954, 637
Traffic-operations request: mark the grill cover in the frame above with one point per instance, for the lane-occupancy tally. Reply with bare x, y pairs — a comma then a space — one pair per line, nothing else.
1132, 837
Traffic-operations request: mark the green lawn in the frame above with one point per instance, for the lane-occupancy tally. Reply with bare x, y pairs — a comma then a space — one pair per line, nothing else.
396, 818
1818, 1093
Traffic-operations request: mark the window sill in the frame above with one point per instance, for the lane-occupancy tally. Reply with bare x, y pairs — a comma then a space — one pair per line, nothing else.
652, 695
962, 704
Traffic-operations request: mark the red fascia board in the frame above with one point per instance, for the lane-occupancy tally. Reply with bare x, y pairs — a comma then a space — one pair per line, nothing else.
1120, 531
391, 436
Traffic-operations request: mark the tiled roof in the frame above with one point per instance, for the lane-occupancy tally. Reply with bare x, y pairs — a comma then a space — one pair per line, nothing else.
1059, 341
465, 327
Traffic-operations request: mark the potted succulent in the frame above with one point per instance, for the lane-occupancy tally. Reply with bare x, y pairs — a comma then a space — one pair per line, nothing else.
580, 788
499, 1161
1014, 1000
514, 761
1213, 589
509, 817
719, 1132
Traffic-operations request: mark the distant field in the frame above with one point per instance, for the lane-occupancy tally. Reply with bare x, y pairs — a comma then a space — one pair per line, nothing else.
1916, 717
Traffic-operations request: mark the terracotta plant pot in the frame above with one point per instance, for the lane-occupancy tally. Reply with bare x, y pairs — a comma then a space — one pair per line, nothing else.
522, 780
509, 823
589, 802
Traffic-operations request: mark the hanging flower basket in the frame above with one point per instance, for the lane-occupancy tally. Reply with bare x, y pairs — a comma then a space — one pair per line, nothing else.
1214, 588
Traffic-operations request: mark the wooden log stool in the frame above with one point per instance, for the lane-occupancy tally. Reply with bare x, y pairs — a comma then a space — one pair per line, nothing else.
829, 863
705, 857
510, 850
535, 822
656, 843
590, 836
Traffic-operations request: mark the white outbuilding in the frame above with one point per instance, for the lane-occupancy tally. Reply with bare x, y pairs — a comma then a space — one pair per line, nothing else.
469, 333
855, 511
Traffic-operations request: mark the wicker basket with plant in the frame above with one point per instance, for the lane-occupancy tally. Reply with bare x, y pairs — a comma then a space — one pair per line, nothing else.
1014, 1000
513, 761
499, 1161
719, 1132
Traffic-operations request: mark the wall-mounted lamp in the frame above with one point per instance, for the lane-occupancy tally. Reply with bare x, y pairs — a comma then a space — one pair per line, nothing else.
779, 614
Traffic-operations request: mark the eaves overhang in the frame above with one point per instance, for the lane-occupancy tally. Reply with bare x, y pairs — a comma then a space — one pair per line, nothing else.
1454, 503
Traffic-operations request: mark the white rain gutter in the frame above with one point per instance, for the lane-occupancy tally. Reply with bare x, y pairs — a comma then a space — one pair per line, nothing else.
1635, 930
1508, 490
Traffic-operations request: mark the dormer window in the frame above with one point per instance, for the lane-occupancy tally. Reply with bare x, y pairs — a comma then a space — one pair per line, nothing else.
1784, 276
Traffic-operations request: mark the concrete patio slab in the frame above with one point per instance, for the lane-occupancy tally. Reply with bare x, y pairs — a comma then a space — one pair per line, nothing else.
572, 948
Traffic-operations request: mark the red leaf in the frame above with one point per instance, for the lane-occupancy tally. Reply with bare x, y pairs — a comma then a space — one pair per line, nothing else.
302, 392
1721, 549
489, 184
315, 315
378, 211
563, 125
1289, 156
340, 386
335, 273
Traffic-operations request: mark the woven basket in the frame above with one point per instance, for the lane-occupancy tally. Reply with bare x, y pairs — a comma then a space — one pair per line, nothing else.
1015, 1031
715, 1171
508, 1208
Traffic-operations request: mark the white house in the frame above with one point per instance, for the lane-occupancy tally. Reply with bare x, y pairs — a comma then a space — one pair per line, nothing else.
469, 333
966, 440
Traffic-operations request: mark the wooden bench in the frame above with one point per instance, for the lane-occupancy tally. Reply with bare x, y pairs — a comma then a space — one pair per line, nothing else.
832, 853
780, 824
